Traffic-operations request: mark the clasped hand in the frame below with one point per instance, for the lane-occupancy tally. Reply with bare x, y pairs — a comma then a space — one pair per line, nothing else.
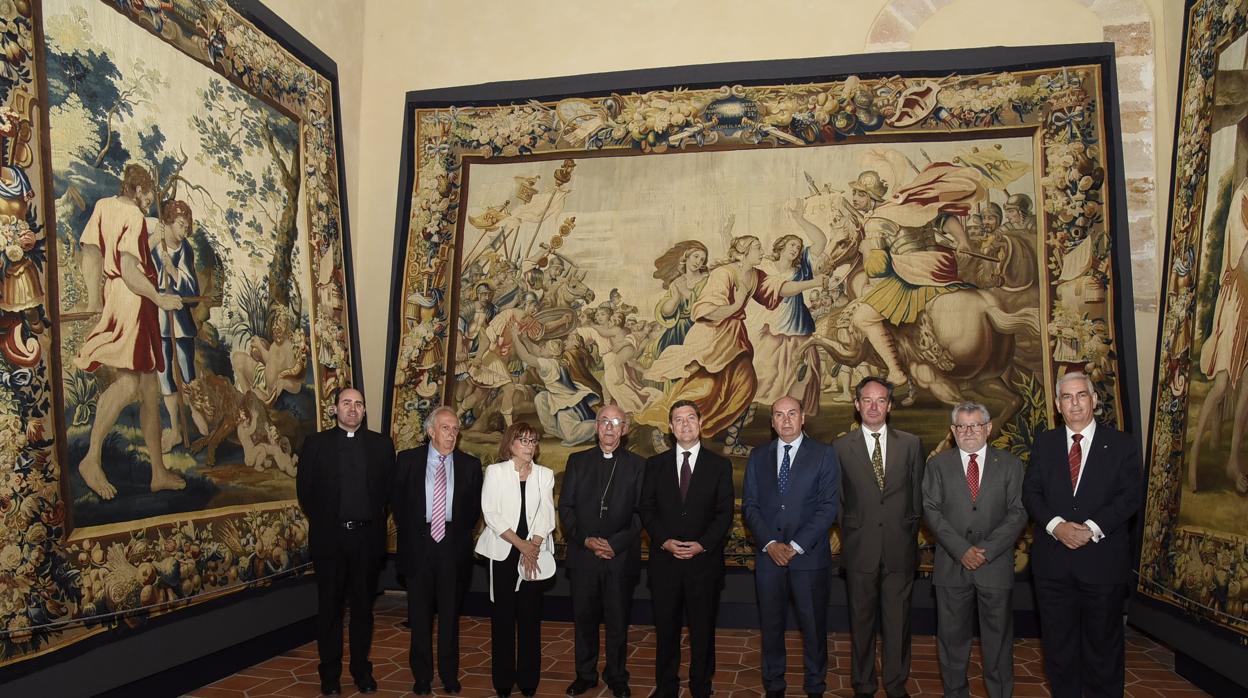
973, 558
781, 553
528, 557
1072, 535
600, 547
682, 550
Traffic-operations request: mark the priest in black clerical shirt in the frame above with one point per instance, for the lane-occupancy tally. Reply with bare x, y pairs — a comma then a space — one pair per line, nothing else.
598, 508
343, 484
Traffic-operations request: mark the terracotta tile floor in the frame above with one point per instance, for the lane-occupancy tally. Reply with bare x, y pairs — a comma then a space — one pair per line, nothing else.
1149, 666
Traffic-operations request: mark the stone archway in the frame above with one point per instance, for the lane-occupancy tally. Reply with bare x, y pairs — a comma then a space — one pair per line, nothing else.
1129, 25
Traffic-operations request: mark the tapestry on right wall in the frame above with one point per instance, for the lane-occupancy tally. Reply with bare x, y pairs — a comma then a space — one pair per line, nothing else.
1195, 526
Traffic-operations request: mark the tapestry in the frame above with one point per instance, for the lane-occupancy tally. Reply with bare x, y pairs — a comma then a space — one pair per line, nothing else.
1194, 551
642, 242
175, 308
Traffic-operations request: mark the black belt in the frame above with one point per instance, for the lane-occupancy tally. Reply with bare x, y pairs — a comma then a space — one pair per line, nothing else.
352, 525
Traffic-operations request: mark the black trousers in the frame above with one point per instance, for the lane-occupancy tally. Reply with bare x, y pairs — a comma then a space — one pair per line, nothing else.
437, 587
678, 589
516, 628
601, 596
1081, 633
349, 576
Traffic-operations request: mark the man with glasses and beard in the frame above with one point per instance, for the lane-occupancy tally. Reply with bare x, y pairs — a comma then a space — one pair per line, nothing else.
973, 503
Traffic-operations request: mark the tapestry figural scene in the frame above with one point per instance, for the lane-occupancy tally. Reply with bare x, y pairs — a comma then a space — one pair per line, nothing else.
739, 243
1195, 540
175, 316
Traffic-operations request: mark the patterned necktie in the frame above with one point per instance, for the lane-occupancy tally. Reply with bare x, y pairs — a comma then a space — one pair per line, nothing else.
877, 461
686, 472
437, 520
1075, 459
784, 470
972, 476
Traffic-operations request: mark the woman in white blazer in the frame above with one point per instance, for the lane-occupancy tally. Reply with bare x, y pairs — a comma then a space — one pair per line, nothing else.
518, 505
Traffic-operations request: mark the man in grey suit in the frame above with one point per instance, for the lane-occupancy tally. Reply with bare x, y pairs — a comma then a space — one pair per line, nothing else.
973, 502
881, 504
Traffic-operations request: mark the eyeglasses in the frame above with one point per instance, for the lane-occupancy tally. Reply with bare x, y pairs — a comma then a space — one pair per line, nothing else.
527, 440
968, 428
610, 422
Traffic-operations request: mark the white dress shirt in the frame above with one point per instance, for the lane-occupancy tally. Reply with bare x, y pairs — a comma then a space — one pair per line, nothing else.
870, 441
981, 456
693, 450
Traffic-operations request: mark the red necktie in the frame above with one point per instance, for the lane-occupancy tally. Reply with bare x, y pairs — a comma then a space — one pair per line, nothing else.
1075, 459
686, 473
972, 476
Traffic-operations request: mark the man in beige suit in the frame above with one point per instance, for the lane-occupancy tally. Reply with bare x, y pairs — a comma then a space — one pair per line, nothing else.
973, 502
881, 504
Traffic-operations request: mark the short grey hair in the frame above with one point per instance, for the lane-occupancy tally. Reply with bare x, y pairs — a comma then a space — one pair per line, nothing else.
433, 416
969, 408
1070, 376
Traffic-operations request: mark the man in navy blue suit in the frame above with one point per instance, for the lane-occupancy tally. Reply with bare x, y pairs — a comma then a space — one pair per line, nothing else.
789, 503
1082, 488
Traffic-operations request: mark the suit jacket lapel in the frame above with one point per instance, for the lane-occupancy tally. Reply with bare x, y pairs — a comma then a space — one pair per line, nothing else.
1088, 478
893, 465
859, 456
801, 469
699, 473
769, 477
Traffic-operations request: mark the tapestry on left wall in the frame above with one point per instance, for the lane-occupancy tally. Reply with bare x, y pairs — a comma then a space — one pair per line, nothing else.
175, 307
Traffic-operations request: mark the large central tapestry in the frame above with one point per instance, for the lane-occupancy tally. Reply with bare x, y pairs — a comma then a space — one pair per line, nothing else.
736, 244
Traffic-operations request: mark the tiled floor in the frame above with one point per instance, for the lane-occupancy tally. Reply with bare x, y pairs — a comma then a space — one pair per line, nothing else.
1149, 666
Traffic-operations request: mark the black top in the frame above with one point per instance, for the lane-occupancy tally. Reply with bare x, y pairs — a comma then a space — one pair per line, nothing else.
522, 528
353, 481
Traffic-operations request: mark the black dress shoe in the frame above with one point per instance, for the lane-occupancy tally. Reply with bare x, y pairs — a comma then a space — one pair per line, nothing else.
366, 685
422, 688
452, 687
579, 686
775, 694
864, 695
330, 688
529, 693
621, 690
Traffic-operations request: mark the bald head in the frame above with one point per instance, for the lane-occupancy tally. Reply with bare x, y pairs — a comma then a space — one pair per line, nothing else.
787, 419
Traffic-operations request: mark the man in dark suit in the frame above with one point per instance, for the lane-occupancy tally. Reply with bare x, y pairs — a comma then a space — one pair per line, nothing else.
598, 507
1082, 488
437, 504
343, 484
789, 504
973, 502
686, 507
881, 504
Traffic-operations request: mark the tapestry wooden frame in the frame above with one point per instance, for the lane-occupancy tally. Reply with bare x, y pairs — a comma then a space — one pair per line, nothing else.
65, 581
1189, 563
1054, 96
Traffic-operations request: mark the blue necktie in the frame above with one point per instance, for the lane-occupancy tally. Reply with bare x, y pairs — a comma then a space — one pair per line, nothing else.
784, 470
